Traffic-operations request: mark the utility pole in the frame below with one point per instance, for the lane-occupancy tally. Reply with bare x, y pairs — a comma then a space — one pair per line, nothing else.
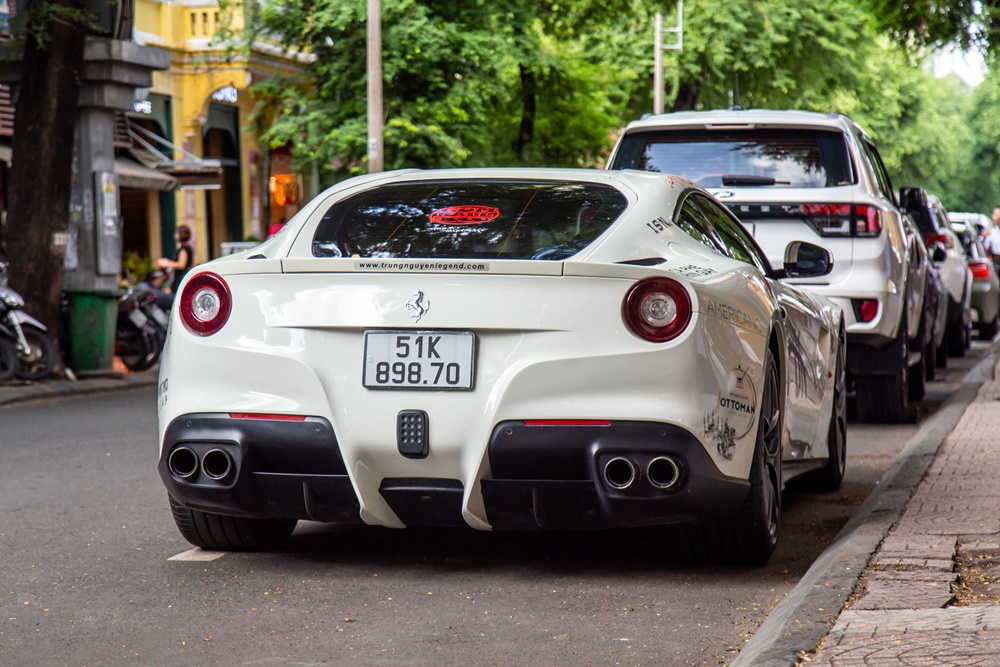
375, 135
659, 47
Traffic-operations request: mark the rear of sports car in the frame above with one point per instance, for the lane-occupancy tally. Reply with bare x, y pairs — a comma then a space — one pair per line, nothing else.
386, 381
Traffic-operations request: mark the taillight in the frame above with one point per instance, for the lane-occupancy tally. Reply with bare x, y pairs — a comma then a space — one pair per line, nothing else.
843, 219
943, 239
657, 309
865, 310
980, 271
205, 304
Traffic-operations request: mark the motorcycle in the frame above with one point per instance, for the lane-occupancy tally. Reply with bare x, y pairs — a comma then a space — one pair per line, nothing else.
141, 329
36, 355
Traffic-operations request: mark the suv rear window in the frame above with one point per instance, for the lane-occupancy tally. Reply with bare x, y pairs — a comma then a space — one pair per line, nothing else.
724, 158
469, 219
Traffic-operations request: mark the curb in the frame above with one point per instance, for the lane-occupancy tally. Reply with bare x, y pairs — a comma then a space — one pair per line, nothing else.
54, 389
800, 622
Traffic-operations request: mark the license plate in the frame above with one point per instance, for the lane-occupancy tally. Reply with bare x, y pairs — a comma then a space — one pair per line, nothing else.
138, 318
419, 360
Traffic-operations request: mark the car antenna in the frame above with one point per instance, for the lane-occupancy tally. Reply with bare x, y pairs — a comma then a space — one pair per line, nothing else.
736, 93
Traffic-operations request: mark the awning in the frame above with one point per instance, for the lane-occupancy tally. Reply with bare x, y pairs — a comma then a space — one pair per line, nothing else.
136, 177
131, 174
191, 171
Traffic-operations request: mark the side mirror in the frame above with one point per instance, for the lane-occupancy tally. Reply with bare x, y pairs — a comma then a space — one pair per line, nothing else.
940, 253
912, 198
807, 260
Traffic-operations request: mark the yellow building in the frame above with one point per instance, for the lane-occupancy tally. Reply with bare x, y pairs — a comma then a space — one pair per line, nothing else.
231, 188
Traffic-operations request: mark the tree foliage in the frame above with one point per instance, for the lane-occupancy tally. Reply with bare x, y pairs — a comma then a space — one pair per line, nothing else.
515, 82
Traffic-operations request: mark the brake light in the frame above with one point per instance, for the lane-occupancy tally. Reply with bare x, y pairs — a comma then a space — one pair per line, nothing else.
205, 304
267, 416
865, 310
980, 271
843, 219
868, 220
657, 309
943, 239
567, 422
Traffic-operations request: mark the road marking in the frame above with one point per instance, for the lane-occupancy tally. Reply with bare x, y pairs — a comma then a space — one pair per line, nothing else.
199, 555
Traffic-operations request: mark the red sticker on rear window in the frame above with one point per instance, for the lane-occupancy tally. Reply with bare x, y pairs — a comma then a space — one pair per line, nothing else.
464, 215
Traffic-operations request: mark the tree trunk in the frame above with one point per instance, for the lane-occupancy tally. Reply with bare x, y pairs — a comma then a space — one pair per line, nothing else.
687, 96
41, 172
526, 132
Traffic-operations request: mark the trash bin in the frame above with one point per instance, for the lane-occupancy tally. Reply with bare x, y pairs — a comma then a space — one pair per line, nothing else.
92, 318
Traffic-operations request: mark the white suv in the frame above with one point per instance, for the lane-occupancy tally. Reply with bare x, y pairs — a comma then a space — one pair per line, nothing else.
795, 175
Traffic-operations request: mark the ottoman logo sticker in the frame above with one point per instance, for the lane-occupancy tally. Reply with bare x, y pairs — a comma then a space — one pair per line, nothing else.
733, 415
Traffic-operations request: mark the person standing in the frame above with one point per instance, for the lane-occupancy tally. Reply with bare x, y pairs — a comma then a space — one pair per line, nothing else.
183, 259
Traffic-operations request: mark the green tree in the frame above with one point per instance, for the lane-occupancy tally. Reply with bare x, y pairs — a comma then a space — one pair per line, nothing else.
509, 82
780, 51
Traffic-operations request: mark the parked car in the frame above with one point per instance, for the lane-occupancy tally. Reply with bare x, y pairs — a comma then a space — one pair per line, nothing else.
985, 284
991, 240
931, 219
505, 349
818, 177
934, 321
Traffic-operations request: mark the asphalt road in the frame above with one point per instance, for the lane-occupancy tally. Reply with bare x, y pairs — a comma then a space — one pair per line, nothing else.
87, 543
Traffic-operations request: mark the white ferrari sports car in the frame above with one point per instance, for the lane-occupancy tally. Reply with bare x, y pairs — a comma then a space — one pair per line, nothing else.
503, 349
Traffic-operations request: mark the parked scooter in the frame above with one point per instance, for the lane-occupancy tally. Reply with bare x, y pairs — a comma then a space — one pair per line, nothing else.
141, 329
36, 355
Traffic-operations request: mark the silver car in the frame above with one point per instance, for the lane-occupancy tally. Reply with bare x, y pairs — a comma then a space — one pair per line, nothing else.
795, 175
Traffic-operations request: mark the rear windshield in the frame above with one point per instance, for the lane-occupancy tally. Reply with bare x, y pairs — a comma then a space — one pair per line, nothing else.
725, 158
469, 219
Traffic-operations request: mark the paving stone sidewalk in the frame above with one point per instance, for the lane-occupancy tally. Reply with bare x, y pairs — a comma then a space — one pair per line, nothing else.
905, 610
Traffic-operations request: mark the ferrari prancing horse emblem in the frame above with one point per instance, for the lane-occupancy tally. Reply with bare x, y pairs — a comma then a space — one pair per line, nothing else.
418, 305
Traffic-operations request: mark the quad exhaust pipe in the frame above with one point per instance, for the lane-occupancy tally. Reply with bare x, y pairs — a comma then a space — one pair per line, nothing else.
216, 464
622, 472
663, 472
184, 463
619, 473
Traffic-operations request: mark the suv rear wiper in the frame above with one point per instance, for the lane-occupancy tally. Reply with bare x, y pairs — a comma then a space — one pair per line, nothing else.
748, 179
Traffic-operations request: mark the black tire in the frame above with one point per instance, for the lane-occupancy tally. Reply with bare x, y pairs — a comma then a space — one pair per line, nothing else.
885, 398
930, 361
988, 331
956, 339
916, 376
942, 352
8, 360
750, 535
831, 476
40, 360
138, 349
217, 532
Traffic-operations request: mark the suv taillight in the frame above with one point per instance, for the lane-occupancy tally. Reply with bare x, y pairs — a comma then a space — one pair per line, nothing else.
943, 239
980, 271
843, 219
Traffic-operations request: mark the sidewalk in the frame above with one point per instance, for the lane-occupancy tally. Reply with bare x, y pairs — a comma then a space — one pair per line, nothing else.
20, 391
914, 576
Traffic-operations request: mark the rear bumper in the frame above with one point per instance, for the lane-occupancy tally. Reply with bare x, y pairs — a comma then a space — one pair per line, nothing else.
278, 469
552, 477
543, 477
